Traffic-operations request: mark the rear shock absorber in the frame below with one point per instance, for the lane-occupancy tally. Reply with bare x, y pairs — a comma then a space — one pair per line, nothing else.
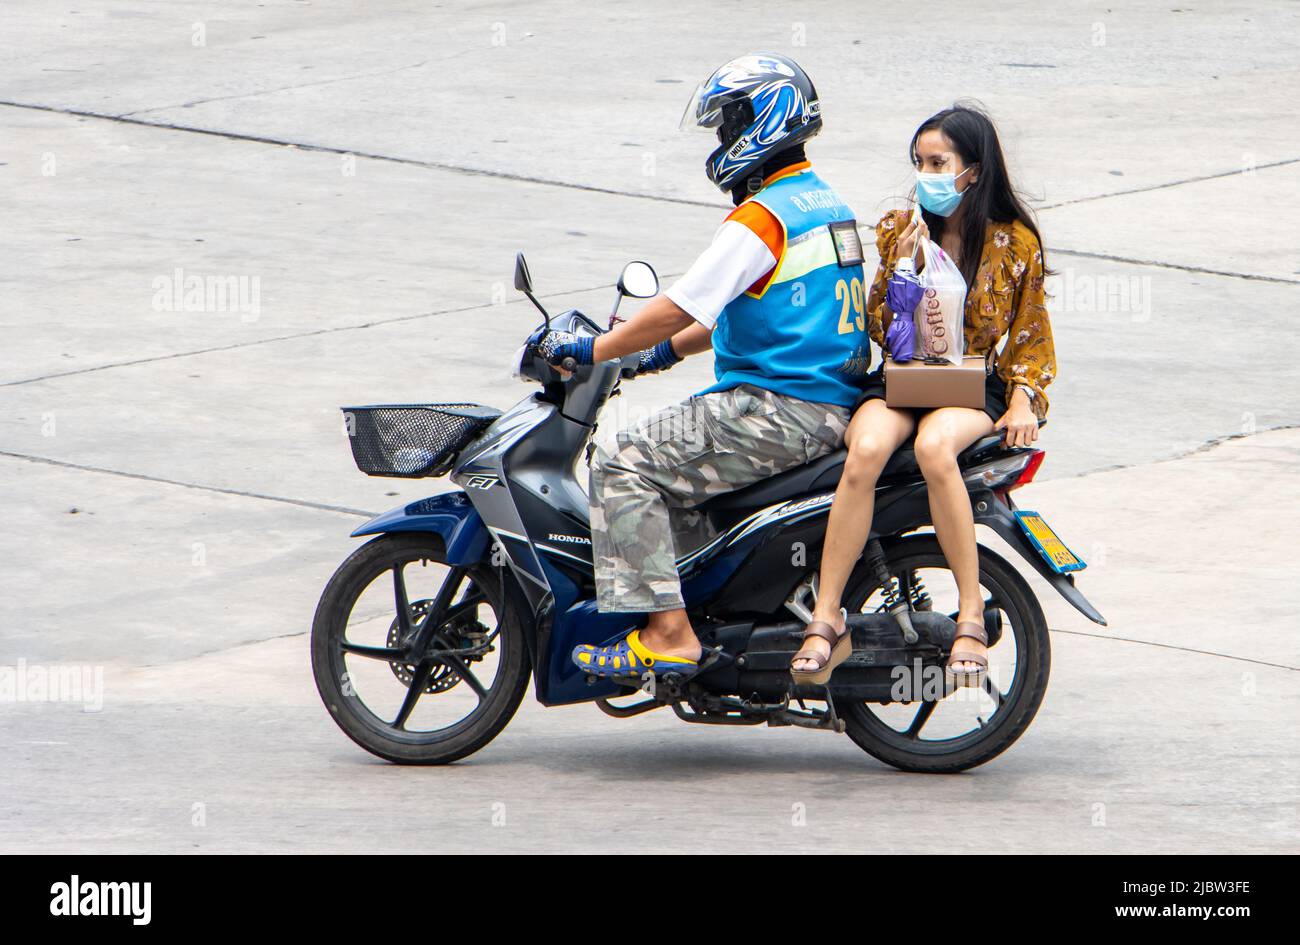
921, 599
895, 604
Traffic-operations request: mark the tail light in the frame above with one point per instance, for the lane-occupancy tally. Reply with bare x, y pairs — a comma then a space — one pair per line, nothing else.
1031, 468
1007, 472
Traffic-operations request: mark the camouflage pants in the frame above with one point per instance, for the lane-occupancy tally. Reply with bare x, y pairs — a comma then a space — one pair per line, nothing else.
643, 477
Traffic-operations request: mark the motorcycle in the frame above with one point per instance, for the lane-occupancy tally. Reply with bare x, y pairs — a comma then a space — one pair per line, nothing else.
425, 638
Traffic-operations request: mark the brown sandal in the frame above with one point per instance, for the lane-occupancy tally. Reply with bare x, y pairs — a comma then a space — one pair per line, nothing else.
841, 648
968, 628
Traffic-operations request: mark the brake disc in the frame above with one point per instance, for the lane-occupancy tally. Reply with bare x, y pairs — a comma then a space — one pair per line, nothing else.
465, 628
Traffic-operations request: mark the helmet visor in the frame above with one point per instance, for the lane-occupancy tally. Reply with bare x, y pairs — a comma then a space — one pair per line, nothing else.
705, 109
703, 112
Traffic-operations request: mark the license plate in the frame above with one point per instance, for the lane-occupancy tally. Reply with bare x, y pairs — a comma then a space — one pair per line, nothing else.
1060, 558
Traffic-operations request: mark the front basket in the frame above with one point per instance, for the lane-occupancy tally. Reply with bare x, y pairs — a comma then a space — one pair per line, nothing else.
412, 441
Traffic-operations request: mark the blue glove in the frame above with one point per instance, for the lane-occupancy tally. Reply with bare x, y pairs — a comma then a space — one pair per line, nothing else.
659, 358
555, 346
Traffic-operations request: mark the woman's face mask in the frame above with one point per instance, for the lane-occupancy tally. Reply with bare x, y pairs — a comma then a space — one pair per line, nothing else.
938, 193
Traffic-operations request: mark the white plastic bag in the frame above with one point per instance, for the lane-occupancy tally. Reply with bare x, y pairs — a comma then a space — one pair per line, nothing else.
940, 316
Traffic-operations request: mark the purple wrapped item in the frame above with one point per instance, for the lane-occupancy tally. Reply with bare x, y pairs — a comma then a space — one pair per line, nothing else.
902, 295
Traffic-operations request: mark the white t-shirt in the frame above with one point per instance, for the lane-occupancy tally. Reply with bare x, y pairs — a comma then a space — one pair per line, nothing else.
737, 258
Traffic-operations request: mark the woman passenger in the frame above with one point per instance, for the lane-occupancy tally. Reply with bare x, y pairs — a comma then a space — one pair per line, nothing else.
968, 207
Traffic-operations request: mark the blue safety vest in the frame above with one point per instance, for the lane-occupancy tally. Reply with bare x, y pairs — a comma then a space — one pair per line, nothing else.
805, 333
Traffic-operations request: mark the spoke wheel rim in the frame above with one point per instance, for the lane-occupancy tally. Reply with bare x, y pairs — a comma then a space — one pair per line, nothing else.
436, 675
910, 738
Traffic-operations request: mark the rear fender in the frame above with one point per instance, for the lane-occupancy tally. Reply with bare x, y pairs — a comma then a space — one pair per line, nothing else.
449, 514
997, 514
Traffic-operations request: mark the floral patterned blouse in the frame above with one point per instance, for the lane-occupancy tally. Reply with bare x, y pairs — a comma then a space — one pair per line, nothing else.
1007, 300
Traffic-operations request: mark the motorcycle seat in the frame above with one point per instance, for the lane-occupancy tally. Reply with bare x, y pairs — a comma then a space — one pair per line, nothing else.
823, 475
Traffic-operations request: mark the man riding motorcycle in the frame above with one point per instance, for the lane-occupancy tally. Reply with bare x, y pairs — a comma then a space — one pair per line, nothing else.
779, 297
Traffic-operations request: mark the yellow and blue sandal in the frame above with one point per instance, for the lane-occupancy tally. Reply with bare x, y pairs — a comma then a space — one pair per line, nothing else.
630, 657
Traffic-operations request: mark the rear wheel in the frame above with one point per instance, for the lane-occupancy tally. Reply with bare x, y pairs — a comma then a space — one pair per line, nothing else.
418, 661
954, 730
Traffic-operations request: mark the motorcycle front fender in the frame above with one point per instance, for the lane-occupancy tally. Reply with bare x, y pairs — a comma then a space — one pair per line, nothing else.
449, 514
997, 514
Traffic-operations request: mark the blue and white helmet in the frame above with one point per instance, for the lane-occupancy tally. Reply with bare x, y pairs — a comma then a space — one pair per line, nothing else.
760, 105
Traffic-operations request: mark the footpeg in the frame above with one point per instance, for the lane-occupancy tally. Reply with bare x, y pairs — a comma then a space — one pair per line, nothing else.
713, 657
809, 718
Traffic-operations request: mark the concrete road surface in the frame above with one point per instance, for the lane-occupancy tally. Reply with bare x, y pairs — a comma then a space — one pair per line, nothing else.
356, 179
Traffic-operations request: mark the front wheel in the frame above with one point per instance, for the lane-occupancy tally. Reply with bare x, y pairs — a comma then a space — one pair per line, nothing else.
950, 731
418, 661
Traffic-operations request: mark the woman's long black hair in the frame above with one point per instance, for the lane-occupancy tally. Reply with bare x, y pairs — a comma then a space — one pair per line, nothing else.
990, 198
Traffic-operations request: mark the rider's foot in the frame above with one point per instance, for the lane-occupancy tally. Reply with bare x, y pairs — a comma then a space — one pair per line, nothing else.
633, 657
968, 646
968, 656
816, 644
682, 645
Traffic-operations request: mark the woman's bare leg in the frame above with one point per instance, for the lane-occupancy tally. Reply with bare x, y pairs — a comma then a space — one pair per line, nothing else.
873, 434
940, 437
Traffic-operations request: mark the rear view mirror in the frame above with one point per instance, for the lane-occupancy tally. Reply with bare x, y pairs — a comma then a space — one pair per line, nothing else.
523, 282
638, 280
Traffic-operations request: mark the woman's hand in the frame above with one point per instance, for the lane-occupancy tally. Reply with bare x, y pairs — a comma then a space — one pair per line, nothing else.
907, 239
1020, 422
